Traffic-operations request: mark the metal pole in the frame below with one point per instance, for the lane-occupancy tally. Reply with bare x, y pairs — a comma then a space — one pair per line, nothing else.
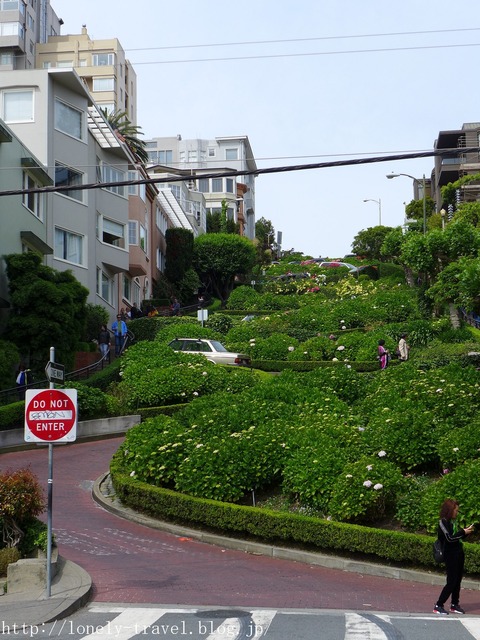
424, 207
379, 212
50, 500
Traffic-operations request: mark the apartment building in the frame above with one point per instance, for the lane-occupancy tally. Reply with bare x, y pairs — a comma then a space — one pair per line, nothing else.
52, 113
222, 155
102, 65
22, 217
23, 24
452, 168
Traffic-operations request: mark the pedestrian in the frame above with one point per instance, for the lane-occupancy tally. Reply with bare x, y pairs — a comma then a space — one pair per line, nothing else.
22, 380
383, 354
175, 307
403, 348
119, 329
451, 535
104, 340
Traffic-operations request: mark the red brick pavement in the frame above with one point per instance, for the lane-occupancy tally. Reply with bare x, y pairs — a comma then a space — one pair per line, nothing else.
131, 563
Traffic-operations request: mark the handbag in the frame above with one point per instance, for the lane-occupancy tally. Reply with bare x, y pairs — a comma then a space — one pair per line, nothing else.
438, 551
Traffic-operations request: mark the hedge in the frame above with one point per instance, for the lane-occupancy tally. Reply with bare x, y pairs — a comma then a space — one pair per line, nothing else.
280, 527
310, 365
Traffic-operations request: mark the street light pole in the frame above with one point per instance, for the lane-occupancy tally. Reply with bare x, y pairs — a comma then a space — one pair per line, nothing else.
379, 202
424, 194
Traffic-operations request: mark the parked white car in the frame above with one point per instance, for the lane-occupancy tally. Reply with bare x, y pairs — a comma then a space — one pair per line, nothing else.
211, 349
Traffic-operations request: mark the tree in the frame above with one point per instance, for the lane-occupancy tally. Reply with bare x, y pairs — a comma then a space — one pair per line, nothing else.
368, 242
179, 254
128, 133
48, 309
219, 257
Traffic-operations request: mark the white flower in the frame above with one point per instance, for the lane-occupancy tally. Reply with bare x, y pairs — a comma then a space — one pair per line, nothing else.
252, 339
305, 353
369, 467
195, 393
204, 373
291, 348
343, 326
378, 486
334, 359
367, 483
342, 321
341, 348
349, 366
382, 454
455, 448
132, 474
439, 390
361, 428
349, 475
199, 445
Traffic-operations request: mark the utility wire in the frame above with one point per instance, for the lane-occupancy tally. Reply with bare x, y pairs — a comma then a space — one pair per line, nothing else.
311, 54
254, 172
313, 39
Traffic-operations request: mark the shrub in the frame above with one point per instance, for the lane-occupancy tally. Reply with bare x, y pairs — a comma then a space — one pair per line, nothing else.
245, 298
9, 359
220, 323
8, 555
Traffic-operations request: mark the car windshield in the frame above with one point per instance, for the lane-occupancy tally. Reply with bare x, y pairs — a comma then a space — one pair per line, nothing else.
218, 346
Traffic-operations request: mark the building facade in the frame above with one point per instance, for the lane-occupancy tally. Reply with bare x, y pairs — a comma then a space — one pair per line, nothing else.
453, 167
102, 64
222, 155
23, 24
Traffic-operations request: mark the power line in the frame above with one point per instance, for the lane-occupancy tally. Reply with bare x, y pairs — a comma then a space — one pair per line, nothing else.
311, 54
313, 39
254, 172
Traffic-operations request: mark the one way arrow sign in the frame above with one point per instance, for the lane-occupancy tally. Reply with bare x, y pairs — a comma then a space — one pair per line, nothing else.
55, 372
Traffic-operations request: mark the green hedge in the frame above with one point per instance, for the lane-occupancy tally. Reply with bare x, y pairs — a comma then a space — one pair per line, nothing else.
310, 365
275, 527
12, 416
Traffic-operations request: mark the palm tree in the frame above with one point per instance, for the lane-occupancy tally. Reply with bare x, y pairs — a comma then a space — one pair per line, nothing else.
128, 133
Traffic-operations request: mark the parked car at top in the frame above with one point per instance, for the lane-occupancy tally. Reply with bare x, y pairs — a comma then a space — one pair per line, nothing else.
333, 264
213, 350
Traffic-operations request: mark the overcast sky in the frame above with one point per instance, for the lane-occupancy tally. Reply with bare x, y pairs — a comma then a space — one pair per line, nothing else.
307, 81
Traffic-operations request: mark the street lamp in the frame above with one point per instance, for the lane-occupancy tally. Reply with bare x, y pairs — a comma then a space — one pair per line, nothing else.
443, 213
407, 175
379, 202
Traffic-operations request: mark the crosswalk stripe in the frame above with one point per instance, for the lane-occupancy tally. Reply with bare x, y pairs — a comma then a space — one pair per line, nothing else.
357, 627
261, 621
129, 623
472, 625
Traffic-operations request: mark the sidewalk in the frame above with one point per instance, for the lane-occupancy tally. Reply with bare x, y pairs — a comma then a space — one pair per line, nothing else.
70, 590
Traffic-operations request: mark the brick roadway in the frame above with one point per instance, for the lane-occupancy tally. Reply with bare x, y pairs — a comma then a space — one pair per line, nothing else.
130, 563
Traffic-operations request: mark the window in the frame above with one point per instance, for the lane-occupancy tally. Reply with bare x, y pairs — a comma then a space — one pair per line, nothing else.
139, 190
165, 157
161, 220
192, 156
104, 286
231, 154
103, 59
68, 177
11, 29
18, 106
47, 65
127, 286
230, 183
33, 201
203, 185
65, 64
217, 185
68, 246
68, 119
111, 174
9, 5
104, 84
143, 238
30, 22
111, 232
211, 152
109, 107
132, 232
6, 59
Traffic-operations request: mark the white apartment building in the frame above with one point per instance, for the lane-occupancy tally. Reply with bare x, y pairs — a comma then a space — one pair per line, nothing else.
195, 157
52, 112
23, 24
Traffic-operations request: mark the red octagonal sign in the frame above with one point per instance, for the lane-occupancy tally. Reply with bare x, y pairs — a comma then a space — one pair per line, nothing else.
50, 415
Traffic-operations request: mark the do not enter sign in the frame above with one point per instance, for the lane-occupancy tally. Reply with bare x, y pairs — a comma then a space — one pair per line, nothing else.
50, 415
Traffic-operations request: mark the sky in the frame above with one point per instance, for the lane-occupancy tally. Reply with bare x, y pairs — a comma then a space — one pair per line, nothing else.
308, 82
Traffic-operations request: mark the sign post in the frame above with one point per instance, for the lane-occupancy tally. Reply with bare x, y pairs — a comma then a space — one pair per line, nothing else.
50, 417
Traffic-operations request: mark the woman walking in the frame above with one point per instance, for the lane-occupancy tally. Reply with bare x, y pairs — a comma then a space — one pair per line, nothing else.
451, 535
383, 354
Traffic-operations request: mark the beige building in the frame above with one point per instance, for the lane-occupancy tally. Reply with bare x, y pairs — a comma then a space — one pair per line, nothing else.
108, 75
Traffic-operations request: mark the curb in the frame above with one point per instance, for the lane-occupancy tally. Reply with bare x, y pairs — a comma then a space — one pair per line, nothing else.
104, 494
